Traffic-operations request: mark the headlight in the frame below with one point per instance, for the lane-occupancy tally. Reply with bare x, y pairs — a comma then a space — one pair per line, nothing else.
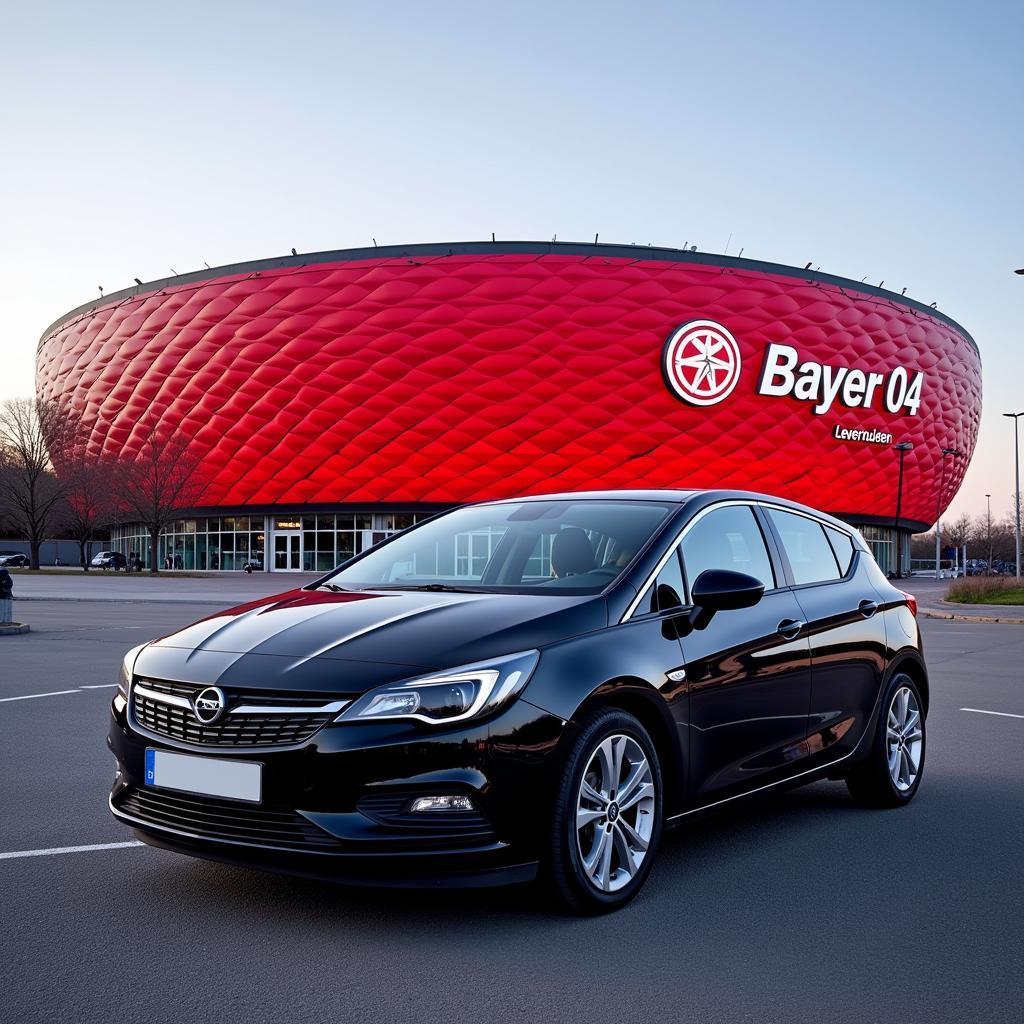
127, 668
450, 696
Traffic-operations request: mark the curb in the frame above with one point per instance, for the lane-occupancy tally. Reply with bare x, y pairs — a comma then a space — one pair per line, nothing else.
13, 628
935, 613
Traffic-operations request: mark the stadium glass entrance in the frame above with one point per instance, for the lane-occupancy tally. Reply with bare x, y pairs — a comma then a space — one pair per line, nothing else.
297, 543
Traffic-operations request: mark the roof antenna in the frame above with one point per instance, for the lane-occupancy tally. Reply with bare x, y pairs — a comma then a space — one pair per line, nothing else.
294, 253
595, 238
137, 280
741, 252
904, 292
174, 272
727, 244
807, 266
880, 283
207, 265
100, 288
492, 236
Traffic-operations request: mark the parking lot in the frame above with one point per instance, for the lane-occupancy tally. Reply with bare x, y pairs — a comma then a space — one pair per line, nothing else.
800, 907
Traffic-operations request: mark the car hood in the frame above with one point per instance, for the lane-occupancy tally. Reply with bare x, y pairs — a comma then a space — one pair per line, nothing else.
350, 642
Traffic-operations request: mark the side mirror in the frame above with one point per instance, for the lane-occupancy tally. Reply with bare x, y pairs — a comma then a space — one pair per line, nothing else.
721, 590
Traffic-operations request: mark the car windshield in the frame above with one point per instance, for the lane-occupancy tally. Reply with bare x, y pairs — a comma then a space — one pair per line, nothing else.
565, 546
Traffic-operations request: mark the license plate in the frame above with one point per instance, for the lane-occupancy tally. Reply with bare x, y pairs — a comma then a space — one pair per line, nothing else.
207, 776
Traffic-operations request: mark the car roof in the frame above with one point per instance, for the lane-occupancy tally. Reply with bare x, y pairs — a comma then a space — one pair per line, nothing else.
695, 497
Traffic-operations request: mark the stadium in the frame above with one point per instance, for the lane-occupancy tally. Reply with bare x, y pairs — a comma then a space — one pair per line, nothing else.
330, 399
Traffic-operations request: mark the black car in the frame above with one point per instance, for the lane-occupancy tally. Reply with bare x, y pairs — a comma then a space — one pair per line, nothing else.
14, 560
108, 560
528, 688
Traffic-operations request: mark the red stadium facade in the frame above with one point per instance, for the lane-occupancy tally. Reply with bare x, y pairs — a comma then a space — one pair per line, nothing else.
331, 398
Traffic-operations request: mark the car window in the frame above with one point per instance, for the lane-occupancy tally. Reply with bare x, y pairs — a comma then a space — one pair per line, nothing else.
667, 590
842, 548
810, 555
727, 538
544, 546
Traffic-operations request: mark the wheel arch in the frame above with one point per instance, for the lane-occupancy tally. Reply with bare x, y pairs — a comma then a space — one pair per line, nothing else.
910, 663
650, 708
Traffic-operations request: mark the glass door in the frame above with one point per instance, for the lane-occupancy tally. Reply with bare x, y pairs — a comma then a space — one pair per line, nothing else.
288, 552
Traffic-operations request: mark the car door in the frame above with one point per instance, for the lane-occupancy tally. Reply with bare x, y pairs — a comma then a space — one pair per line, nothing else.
749, 671
845, 629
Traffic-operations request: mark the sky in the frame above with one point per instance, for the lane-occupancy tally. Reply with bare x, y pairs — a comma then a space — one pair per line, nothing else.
878, 139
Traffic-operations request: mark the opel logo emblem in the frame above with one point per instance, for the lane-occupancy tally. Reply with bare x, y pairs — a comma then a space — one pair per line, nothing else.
209, 705
701, 362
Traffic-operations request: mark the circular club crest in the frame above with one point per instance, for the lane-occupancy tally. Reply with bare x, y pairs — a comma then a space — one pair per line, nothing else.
701, 362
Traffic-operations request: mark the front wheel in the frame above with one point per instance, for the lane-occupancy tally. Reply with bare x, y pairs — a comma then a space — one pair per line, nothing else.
891, 774
608, 815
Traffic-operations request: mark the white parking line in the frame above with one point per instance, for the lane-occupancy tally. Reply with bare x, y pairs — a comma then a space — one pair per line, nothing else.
1001, 714
58, 693
53, 851
30, 696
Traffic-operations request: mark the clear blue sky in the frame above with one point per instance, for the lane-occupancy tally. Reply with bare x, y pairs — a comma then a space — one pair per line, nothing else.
876, 138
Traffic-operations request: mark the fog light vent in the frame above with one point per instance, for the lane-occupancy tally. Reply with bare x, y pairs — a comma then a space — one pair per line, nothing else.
441, 802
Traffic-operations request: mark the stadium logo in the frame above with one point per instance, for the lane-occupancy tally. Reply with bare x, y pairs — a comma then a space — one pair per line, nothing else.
701, 362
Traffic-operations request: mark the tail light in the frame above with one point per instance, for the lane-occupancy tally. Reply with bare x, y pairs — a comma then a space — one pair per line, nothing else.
911, 602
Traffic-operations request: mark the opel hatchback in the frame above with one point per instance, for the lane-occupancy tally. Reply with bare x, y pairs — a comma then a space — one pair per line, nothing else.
527, 689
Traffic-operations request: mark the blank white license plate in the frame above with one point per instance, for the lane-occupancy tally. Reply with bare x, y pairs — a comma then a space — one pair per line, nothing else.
208, 776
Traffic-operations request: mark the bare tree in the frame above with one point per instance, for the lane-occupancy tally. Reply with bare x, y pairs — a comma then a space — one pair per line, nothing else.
89, 499
156, 483
960, 531
31, 497
89, 483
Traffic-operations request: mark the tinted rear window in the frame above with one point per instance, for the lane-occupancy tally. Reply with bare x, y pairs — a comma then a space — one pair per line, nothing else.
809, 552
842, 548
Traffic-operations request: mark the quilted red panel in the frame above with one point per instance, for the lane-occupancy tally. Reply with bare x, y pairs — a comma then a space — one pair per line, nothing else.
450, 378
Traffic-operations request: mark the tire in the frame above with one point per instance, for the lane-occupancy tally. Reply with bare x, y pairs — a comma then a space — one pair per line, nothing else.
601, 865
891, 774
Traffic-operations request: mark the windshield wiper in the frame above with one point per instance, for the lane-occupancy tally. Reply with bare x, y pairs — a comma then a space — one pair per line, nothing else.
432, 587
332, 587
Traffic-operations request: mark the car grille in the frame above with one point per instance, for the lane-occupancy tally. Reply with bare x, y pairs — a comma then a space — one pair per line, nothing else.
269, 729
225, 820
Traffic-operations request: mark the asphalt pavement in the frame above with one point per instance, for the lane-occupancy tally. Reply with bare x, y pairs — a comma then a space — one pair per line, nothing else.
799, 907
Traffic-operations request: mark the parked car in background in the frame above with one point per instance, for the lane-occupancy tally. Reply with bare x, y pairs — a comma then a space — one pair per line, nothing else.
614, 663
108, 560
14, 560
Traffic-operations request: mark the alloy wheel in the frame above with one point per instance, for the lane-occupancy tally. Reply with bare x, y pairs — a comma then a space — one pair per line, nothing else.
615, 815
904, 739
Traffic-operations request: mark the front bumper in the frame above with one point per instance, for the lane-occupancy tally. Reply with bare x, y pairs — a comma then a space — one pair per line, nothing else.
336, 806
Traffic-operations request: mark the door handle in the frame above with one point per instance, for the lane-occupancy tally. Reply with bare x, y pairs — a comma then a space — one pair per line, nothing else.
790, 628
868, 608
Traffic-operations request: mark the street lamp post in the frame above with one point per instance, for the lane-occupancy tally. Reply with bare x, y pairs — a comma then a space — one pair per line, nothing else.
988, 498
938, 506
902, 447
1015, 416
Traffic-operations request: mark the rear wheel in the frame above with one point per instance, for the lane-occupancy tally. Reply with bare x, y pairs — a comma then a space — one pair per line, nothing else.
608, 815
891, 774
